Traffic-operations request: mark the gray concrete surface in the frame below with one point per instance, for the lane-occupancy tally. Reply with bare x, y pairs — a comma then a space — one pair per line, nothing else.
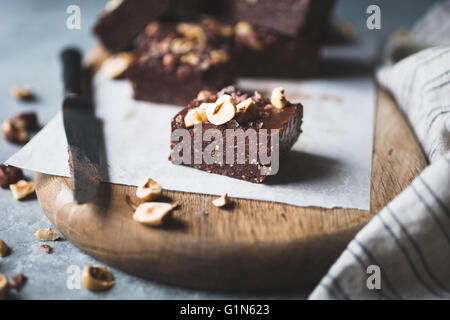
32, 34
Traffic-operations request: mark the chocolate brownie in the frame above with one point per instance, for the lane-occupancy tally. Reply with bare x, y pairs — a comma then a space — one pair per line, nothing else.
265, 119
174, 61
289, 17
123, 20
260, 52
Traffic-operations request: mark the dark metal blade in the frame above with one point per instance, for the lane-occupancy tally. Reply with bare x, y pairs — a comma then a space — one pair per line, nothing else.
82, 132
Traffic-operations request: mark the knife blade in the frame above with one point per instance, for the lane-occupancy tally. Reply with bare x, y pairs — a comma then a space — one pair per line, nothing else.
81, 128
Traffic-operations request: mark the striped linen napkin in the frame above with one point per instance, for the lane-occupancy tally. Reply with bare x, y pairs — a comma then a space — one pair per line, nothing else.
408, 243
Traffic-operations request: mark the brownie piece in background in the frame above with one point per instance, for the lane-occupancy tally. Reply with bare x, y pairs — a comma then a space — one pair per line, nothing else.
251, 111
123, 20
261, 52
173, 61
288, 17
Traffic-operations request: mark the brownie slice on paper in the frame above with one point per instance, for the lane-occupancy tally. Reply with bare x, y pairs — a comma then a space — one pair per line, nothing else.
174, 61
235, 133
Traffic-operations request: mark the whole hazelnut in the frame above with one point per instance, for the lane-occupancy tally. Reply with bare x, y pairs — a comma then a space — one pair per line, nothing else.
9, 175
14, 134
25, 120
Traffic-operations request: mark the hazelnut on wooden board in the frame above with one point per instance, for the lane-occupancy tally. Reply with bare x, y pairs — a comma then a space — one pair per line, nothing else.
22, 93
278, 99
97, 278
3, 248
3, 287
221, 202
14, 134
47, 234
9, 175
222, 111
116, 65
153, 213
22, 189
149, 190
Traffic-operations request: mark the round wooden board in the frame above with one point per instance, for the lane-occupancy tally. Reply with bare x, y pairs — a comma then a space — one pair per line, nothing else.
253, 245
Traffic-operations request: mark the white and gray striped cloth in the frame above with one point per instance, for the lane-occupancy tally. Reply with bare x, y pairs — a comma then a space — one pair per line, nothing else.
409, 240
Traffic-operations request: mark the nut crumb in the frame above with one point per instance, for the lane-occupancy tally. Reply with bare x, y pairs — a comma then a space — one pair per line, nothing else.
97, 278
19, 281
3, 248
48, 249
153, 213
221, 202
149, 190
22, 93
22, 189
47, 234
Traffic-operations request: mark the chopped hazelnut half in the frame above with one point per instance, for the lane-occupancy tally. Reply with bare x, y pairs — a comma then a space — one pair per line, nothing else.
222, 111
278, 99
149, 190
22, 189
22, 93
3, 287
97, 278
221, 202
192, 118
47, 234
116, 65
153, 213
246, 111
3, 248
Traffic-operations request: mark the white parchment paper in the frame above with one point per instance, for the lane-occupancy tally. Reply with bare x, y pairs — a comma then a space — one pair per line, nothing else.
330, 165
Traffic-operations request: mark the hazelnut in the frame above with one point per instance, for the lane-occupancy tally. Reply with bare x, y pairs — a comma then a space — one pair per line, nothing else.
47, 234
149, 190
192, 32
153, 213
204, 94
181, 46
3, 287
22, 93
97, 278
202, 111
14, 134
222, 111
168, 60
221, 202
9, 175
116, 65
278, 99
192, 118
190, 58
25, 120
3, 248
152, 28
22, 189
219, 56
243, 29
112, 5
246, 111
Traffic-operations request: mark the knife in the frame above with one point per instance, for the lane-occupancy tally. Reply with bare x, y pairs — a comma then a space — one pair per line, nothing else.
81, 127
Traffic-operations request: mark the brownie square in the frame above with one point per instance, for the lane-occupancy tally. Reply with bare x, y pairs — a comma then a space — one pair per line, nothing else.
262, 116
174, 61
261, 52
123, 20
289, 17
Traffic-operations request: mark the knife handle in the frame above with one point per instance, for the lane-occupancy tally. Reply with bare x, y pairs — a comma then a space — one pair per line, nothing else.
71, 58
